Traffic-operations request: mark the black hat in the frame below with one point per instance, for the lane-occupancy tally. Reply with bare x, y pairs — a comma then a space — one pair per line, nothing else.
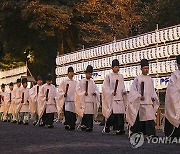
11, 84
178, 59
89, 69
115, 62
39, 78
49, 77
3, 85
70, 69
18, 80
24, 80
144, 62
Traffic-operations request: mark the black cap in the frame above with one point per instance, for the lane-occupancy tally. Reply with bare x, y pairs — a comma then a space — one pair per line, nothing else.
11, 84
49, 77
24, 80
115, 62
39, 78
3, 85
178, 59
18, 80
144, 62
70, 69
89, 69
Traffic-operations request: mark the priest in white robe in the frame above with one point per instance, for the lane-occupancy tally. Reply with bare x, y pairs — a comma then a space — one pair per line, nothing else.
33, 103
143, 103
9, 104
2, 97
23, 114
47, 103
87, 100
66, 97
17, 100
172, 104
114, 99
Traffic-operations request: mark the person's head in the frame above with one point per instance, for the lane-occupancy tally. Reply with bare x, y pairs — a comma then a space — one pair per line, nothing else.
3, 87
144, 66
115, 66
24, 82
49, 79
18, 83
178, 61
39, 80
11, 86
70, 72
89, 71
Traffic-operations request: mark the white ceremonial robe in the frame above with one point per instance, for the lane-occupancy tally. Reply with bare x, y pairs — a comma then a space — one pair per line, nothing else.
33, 103
25, 103
87, 104
12, 103
2, 105
17, 100
69, 100
7, 102
172, 101
147, 108
111, 103
51, 106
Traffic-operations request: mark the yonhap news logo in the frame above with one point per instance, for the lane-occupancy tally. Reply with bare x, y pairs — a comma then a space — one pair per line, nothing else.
137, 140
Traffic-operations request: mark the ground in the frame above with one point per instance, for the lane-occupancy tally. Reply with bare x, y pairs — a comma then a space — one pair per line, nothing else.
16, 138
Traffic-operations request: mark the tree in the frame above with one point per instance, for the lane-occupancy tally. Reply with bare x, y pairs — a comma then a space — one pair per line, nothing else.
165, 13
101, 21
37, 27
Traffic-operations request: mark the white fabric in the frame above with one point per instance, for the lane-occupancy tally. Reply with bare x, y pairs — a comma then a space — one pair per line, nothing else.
172, 101
50, 105
33, 103
25, 103
111, 103
69, 100
87, 104
2, 101
146, 108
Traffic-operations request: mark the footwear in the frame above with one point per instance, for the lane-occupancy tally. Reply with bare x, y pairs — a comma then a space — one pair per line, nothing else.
41, 125
34, 123
50, 126
14, 121
20, 122
107, 129
120, 132
83, 127
25, 123
4, 120
67, 127
89, 129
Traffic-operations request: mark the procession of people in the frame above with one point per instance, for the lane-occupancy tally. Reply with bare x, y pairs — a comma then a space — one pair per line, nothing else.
80, 101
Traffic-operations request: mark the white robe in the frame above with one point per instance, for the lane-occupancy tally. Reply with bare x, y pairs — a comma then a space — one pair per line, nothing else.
11, 107
87, 104
146, 108
69, 100
51, 106
172, 101
17, 100
111, 103
33, 103
8, 103
2, 101
25, 104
